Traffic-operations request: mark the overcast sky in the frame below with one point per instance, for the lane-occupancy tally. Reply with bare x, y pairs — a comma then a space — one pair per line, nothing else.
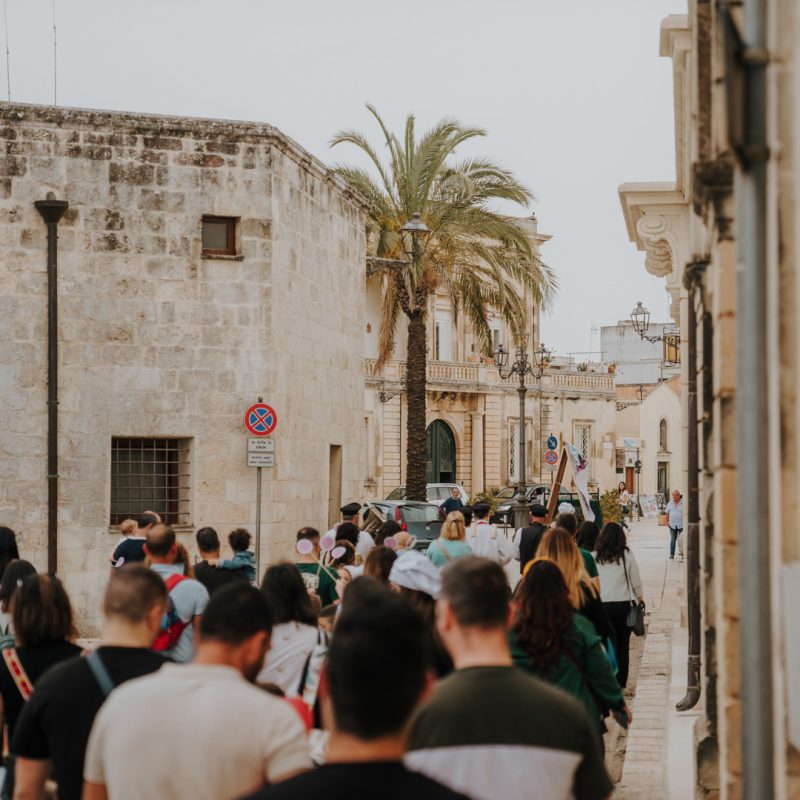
573, 94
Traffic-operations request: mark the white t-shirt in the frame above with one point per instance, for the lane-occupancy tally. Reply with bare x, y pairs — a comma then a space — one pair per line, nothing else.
486, 541
364, 543
292, 643
199, 731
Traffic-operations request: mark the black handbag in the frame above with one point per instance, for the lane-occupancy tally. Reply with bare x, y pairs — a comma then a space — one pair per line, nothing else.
635, 618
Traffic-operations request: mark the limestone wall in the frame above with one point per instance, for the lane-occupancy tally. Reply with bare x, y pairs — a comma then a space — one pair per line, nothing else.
157, 341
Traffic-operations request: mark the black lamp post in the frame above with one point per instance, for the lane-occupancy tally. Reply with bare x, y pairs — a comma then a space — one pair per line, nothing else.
640, 317
415, 234
522, 368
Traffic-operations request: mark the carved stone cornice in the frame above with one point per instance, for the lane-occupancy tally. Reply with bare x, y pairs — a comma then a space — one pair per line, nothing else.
712, 186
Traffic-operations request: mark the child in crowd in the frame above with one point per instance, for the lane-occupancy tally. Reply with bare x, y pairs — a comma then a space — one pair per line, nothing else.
243, 558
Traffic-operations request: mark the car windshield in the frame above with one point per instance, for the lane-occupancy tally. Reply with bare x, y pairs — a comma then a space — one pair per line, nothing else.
507, 493
419, 513
398, 494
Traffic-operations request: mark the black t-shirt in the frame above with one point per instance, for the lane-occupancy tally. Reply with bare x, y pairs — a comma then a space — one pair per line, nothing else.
57, 720
35, 661
529, 539
130, 551
213, 578
388, 780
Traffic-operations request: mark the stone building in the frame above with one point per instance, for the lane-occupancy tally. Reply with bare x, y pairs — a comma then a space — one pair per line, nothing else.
473, 414
202, 264
723, 235
638, 360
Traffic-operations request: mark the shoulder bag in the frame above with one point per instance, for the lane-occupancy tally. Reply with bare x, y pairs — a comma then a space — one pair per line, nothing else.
635, 618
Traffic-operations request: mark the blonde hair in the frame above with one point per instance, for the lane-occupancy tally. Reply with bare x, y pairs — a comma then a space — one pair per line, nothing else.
558, 546
127, 527
454, 529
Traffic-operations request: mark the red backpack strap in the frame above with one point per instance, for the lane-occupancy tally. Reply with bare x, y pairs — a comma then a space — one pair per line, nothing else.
174, 580
18, 673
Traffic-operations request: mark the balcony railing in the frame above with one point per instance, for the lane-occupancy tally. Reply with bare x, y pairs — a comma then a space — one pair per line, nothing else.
459, 374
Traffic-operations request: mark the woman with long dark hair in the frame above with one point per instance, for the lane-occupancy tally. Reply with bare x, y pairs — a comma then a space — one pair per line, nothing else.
8, 548
587, 536
389, 528
294, 627
44, 628
13, 574
554, 643
620, 584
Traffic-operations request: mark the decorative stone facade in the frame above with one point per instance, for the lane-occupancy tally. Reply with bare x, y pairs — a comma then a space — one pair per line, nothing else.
157, 340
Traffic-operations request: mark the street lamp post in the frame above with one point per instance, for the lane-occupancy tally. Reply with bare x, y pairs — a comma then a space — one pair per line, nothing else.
522, 368
638, 467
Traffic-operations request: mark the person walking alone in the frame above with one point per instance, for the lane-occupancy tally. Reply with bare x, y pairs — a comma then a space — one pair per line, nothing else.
675, 512
620, 585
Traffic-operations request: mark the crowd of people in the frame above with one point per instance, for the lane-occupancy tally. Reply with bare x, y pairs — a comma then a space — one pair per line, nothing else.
364, 666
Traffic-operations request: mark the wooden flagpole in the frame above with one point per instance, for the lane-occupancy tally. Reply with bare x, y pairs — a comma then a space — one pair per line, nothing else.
555, 489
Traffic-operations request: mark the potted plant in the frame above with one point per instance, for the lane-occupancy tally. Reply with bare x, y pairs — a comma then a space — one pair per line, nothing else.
612, 367
583, 367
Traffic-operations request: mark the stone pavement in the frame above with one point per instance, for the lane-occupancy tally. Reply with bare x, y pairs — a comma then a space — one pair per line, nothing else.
659, 759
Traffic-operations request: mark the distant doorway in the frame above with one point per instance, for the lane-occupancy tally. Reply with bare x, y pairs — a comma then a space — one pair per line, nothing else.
334, 484
441, 453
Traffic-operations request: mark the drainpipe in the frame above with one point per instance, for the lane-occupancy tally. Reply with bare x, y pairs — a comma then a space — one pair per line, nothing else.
693, 498
755, 612
52, 210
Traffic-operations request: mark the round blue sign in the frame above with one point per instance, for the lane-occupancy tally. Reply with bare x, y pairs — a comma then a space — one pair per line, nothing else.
552, 442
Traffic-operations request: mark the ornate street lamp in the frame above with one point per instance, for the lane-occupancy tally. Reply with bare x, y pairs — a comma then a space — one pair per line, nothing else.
640, 317
641, 393
415, 234
522, 368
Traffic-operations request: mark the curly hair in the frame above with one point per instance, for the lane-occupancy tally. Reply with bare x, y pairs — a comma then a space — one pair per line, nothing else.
389, 528
544, 615
239, 540
611, 544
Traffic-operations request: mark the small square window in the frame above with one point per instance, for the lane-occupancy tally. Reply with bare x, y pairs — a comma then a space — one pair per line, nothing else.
219, 236
150, 475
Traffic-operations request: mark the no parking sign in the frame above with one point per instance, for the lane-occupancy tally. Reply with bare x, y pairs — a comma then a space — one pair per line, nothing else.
260, 419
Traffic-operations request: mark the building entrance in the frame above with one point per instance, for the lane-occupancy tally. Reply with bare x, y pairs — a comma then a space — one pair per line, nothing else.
441, 453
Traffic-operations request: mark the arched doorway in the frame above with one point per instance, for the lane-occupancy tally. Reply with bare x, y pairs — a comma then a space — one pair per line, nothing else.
441, 453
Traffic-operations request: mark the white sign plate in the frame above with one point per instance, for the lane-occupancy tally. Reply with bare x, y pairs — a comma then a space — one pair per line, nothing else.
260, 459
261, 446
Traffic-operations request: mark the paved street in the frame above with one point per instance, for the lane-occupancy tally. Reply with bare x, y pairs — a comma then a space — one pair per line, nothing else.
658, 750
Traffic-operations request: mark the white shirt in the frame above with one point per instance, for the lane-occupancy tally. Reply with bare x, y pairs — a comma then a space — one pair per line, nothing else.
292, 643
613, 586
198, 731
486, 542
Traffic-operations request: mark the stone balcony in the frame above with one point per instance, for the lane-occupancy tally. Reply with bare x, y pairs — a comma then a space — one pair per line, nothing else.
462, 376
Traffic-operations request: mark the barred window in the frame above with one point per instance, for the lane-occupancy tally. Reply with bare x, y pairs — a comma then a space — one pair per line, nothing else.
513, 452
150, 475
583, 442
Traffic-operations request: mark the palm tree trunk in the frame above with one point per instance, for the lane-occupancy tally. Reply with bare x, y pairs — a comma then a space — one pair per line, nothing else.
416, 365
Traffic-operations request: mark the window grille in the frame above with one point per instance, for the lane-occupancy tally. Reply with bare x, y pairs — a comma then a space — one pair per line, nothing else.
513, 452
662, 435
583, 442
219, 236
150, 475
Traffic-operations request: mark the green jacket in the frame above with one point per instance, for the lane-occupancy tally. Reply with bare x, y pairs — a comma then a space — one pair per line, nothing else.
595, 669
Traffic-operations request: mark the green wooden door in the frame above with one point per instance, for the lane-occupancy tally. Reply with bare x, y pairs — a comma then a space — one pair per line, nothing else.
441, 454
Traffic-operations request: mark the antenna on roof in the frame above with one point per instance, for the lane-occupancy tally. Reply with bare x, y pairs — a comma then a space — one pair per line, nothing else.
55, 59
8, 54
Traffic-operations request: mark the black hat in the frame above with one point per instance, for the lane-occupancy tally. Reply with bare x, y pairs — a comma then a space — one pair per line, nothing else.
350, 510
538, 510
481, 509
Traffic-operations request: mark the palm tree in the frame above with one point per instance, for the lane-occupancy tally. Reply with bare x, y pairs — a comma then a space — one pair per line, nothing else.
482, 258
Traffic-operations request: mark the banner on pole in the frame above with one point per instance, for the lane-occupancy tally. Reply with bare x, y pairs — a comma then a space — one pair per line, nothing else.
580, 472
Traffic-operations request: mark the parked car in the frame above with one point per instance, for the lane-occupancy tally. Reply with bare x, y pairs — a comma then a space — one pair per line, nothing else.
421, 520
534, 493
437, 493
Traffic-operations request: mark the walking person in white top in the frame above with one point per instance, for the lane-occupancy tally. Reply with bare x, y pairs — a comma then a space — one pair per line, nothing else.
620, 585
675, 511
624, 501
485, 540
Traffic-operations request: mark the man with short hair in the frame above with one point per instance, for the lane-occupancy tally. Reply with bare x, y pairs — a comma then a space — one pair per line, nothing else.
211, 577
131, 550
187, 597
485, 540
453, 503
489, 729
54, 726
316, 577
200, 730
350, 513
526, 540
378, 634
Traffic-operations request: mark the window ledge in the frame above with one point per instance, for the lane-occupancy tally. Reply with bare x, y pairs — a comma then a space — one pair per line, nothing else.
221, 257
184, 528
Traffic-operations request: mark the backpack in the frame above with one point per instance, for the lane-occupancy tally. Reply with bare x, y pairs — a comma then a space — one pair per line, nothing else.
172, 626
